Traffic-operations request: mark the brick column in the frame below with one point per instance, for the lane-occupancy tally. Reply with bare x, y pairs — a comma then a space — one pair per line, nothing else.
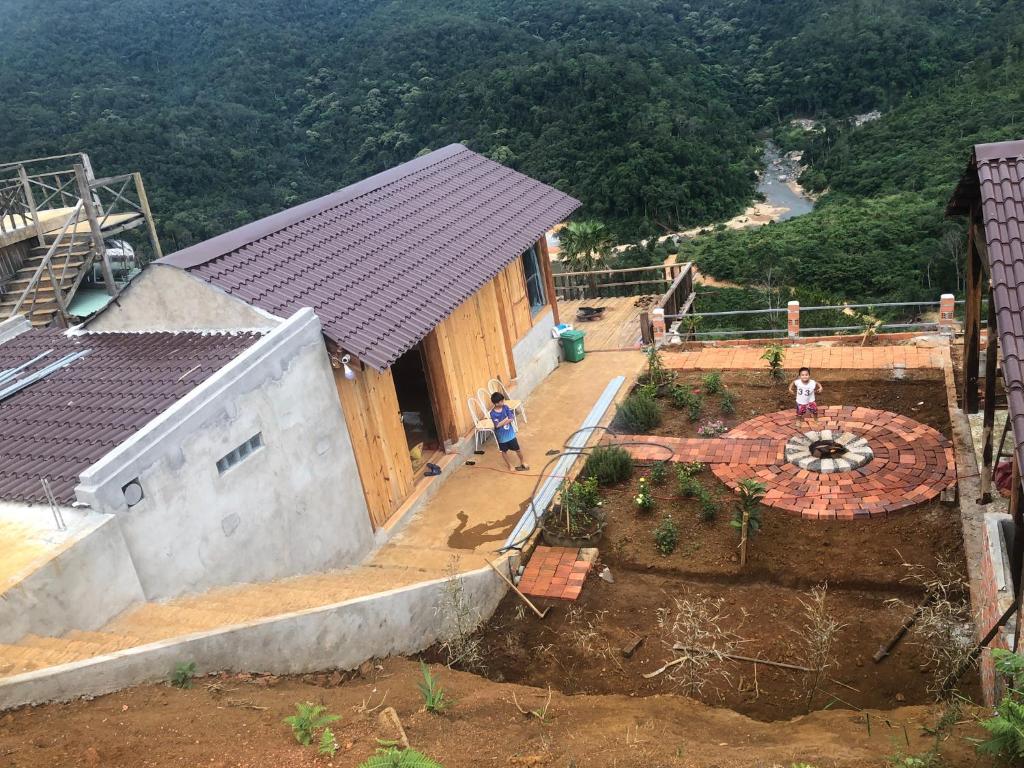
946, 310
658, 321
793, 314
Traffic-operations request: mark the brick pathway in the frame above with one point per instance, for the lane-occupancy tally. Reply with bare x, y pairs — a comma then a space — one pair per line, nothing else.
556, 572
912, 463
874, 358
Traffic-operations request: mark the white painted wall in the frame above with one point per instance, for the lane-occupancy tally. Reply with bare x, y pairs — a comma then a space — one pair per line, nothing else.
294, 506
89, 580
165, 298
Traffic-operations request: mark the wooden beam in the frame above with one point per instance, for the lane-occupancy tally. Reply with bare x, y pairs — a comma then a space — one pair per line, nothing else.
140, 190
85, 195
989, 420
549, 280
972, 324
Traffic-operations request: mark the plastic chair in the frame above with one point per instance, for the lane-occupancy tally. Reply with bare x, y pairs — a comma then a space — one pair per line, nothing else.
481, 421
517, 406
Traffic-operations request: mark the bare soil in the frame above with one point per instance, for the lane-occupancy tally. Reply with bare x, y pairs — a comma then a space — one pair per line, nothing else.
235, 721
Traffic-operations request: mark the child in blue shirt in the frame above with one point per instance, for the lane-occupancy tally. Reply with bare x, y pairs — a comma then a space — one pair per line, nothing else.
505, 430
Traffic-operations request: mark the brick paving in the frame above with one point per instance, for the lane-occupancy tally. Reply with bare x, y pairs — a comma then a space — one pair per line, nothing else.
743, 358
912, 463
557, 572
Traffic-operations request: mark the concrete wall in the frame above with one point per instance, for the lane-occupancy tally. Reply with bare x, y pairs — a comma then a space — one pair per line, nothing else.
293, 506
339, 636
13, 326
997, 593
165, 298
536, 355
88, 582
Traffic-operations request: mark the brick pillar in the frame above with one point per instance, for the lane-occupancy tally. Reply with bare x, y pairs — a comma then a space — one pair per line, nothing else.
658, 321
946, 310
793, 314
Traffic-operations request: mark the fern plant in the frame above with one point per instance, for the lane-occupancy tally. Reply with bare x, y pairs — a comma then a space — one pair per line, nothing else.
328, 743
307, 720
183, 674
1006, 728
434, 699
392, 757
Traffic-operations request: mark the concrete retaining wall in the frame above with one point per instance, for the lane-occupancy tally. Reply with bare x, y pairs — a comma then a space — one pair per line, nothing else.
535, 356
294, 505
997, 596
340, 636
84, 586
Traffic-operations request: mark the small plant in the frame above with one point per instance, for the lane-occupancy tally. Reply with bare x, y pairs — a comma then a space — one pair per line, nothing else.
774, 355
459, 620
659, 473
712, 428
692, 468
434, 699
307, 720
692, 402
578, 499
609, 464
393, 757
816, 639
711, 383
689, 486
747, 517
328, 744
666, 536
708, 509
639, 413
727, 404
183, 674
1006, 728
643, 499
657, 373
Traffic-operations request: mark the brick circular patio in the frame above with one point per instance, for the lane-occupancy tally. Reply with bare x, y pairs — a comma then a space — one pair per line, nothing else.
911, 464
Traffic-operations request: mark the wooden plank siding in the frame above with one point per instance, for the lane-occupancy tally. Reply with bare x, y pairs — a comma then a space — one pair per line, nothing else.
511, 285
370, 404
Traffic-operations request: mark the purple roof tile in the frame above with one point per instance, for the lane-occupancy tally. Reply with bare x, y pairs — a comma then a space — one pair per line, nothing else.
60, 425
383, 261
993, 181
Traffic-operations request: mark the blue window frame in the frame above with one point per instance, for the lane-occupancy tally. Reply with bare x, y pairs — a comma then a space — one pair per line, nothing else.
534, 280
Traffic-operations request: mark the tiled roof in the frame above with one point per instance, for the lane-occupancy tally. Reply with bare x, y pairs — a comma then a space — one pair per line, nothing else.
995, 178
383, 261
60, 425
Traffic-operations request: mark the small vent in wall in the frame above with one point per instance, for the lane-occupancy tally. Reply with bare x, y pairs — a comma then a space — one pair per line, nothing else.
241, 453
133, 492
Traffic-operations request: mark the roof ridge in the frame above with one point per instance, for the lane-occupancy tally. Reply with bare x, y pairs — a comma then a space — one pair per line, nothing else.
217, 246
999, 150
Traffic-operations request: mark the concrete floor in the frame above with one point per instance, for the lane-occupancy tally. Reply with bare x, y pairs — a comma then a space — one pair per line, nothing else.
475, 510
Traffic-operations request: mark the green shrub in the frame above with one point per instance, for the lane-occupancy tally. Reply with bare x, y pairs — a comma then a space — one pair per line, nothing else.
1006, 728
711, 383
328, 743
708, 510
683, 398
751, 492
689, 486
643, 499
666, 536
307, 720
659, 473
639, 413
609, 464
434, 699
657, 373
578, 498
774, 355
692, 468
182, 675
727, 404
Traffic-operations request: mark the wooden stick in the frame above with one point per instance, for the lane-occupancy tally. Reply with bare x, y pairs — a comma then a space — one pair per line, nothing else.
885, 650
524, 598
731, 656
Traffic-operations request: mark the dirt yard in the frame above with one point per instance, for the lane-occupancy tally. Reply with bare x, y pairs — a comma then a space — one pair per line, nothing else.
235, 722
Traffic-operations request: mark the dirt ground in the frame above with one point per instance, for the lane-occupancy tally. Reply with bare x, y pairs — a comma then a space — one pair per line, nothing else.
235, 722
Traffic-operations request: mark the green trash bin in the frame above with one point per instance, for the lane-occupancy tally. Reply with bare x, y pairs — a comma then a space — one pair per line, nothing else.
572, 345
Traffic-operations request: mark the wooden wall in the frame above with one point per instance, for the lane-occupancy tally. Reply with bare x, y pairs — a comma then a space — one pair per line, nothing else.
463, 353
515, 304
378, 440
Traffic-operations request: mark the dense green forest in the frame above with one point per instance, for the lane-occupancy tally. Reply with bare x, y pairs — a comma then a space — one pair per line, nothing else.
647, 110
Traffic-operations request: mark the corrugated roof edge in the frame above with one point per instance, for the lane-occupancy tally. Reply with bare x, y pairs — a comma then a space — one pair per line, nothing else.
208, 250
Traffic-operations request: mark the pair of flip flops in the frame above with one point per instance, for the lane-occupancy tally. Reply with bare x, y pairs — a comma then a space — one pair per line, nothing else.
432, 470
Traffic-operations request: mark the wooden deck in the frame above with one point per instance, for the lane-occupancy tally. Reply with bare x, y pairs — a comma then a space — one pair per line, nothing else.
619, 328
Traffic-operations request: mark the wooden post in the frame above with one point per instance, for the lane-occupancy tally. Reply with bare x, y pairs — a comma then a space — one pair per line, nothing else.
989, 420
549, 278
85, 195
1017, 552
972, 323
30, 199
744, 528
140, 190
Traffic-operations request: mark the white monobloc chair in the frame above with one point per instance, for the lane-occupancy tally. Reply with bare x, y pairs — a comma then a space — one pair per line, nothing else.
517, 406
481, 421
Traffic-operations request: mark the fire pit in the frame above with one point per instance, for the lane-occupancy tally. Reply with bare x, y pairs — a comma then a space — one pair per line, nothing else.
828, 451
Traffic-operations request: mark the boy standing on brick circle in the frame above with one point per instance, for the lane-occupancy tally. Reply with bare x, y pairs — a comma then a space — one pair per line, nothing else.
505, 430
806, 389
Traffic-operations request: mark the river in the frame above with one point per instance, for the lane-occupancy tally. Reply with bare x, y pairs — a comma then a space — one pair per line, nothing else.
779, 186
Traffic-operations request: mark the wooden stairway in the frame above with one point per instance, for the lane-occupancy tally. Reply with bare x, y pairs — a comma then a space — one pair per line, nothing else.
68, 264
219, 608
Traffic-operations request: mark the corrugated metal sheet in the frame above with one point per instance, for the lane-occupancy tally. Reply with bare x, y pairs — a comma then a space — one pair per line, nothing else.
382, 262
994, 178
60, 425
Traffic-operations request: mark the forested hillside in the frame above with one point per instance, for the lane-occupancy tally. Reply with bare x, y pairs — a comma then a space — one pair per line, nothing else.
647, 110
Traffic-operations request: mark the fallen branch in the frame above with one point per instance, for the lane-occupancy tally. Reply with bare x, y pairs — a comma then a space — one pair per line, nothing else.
540, 714
245, 704
735, 657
